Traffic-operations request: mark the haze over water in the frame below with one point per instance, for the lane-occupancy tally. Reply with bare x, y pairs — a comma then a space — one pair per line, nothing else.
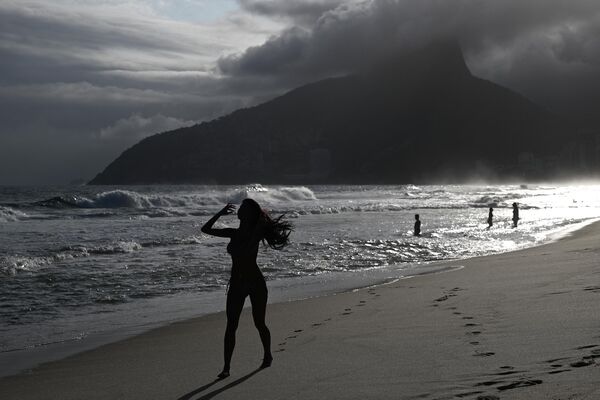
76, 261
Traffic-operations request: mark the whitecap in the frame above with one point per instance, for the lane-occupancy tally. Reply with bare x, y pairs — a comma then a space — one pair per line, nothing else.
8, 214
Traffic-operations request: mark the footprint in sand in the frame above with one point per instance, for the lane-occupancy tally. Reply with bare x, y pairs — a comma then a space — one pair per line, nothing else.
484, 354
592, 289
346, 313
555, 360
474, 333
457, 313
474, 343
560, 371
518, 384
505, 373
279, 350
317, 324
582, 363
467, 394
467, 317
589, 346
489, 383
592, 357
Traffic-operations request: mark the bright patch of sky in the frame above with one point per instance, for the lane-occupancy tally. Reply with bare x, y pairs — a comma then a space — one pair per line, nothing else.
196, 10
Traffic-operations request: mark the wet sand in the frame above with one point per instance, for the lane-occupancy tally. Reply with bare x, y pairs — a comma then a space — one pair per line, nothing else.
520, 325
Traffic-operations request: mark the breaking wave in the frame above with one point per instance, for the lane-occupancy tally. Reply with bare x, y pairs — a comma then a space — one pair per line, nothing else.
131, 199
13, 264
7, 214
496, 200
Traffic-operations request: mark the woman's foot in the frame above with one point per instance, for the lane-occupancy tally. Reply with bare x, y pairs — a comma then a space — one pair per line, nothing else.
224, 374
267, 361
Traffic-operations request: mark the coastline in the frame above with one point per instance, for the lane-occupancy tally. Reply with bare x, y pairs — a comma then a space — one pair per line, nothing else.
282, 291
501, 326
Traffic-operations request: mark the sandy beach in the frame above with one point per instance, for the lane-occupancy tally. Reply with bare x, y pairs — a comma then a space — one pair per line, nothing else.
520, 325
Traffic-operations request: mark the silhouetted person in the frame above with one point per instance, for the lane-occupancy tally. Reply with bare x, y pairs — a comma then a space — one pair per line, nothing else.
417, 226
491, 218
515, 218
246, 278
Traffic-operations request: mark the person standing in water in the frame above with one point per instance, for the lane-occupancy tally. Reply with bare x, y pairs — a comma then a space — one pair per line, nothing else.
491, 218
246, 278
515, 217
417, 231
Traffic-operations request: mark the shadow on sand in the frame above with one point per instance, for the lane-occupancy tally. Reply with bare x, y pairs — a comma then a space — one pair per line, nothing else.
212, 394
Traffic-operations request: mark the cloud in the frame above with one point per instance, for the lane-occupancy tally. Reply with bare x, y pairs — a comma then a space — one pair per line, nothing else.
84, 92
300, 12
138, 127
72, 69
114, 35
502, 40
278, 55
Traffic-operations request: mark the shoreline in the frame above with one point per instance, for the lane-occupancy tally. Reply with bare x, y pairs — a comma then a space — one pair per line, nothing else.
14, 362
512, 325
21, 361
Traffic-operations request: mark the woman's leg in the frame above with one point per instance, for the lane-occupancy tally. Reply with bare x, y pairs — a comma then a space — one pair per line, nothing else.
235, 303
258, 297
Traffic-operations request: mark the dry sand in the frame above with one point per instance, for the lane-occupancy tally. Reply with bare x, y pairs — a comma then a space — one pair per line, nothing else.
521, 325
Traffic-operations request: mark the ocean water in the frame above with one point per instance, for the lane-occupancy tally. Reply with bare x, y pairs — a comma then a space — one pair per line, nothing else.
79, 261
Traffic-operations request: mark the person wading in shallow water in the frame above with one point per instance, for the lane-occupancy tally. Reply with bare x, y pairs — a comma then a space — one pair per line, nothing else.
246, 278
515, 217
417, 231
491, 218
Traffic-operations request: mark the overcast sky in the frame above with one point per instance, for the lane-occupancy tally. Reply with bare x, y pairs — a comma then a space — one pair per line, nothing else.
82, 80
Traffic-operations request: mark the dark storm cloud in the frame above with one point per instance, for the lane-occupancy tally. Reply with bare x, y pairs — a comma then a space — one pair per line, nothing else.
360, 30
280, 55
526, 45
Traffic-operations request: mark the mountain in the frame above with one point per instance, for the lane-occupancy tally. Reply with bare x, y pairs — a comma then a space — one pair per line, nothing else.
419, 116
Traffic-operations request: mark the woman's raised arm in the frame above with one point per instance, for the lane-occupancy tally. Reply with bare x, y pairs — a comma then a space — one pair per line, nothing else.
224, 232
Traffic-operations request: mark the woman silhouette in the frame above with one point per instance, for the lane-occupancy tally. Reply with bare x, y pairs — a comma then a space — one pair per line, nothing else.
246, 278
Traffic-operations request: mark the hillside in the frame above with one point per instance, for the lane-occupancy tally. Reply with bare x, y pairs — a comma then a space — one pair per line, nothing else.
420, 116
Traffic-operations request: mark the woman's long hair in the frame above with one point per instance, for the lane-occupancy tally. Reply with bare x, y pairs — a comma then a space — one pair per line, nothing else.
277, 230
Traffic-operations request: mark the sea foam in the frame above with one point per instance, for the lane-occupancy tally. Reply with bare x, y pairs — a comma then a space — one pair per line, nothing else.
7, 214
130, 199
